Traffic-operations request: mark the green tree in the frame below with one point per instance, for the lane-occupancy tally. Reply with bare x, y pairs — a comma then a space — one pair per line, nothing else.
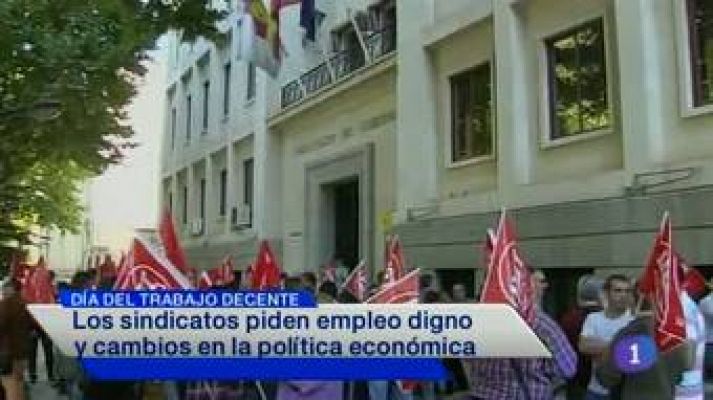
83, 58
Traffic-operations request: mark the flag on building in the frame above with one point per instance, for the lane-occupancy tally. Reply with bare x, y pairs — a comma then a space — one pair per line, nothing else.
260, 38
357, 282
404, 290
221, 275
308, 19
266, 273
661, 282
171, 242
507, 278
149, 269
395, 267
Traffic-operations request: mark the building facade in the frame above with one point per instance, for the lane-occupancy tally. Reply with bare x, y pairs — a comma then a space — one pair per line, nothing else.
587, 119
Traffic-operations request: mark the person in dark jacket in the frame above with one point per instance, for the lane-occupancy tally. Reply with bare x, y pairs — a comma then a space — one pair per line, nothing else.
14, 330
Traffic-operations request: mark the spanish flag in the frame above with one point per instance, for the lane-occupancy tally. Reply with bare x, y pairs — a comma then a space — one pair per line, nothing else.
260, 36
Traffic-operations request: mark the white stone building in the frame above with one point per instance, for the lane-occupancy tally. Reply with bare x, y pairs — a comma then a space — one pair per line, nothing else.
586, 118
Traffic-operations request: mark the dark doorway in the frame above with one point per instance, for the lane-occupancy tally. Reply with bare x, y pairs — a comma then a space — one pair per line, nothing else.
346, 221
562, 291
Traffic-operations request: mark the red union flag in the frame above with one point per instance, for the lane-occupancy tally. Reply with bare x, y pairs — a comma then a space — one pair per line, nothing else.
38, 288
508, 279
405, 290
357, 282
395, 263
218, 276
171, 243
661, 282
266, 272
148, 269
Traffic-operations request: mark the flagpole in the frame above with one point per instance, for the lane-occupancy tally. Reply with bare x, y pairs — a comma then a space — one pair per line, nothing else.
263, 396
354, 271
358, 31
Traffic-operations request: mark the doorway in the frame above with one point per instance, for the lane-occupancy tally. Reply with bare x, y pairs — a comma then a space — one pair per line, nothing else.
346, 221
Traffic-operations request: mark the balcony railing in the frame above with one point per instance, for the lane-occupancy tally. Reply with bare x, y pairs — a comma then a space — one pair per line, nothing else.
378, 44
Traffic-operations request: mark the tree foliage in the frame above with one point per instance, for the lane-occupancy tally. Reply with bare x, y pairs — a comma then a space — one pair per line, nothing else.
86, 57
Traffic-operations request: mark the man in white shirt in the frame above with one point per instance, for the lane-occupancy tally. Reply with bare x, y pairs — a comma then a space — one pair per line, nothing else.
600, 327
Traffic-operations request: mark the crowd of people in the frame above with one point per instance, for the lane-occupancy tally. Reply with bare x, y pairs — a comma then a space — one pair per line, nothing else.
580, 341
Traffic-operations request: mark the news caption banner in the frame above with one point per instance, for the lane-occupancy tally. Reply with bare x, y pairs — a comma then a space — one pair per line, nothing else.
278, 335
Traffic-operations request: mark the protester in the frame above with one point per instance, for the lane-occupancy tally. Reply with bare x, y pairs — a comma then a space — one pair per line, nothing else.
600, 327
459, 295
706, 308
655, 383
587, 301
309, 281
691, 385
539, 286
14, 330
314, 390
525, 379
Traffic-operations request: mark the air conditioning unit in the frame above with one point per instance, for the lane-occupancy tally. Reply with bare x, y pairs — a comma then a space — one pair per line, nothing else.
197, 227
241, 216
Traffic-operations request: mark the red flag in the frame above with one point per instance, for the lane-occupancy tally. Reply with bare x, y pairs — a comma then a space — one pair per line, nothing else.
357, 282
218, 276
508, 279
395, 263
123, 281
405, 290
171, 243
149, 269
266, 272
661, 282
694, 283
38, 288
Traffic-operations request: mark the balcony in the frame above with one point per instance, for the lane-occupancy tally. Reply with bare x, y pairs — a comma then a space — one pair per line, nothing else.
379, 44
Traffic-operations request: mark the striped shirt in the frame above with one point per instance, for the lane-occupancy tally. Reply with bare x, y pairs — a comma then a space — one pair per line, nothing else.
496, 379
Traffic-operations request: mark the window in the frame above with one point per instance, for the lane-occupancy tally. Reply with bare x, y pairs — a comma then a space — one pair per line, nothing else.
206, 105
173, 128
251, 81
223, 191
577, 81
189, 117
700, 25
248, 167
226, 89
471, 114
185, 205
345, 43
201, 201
